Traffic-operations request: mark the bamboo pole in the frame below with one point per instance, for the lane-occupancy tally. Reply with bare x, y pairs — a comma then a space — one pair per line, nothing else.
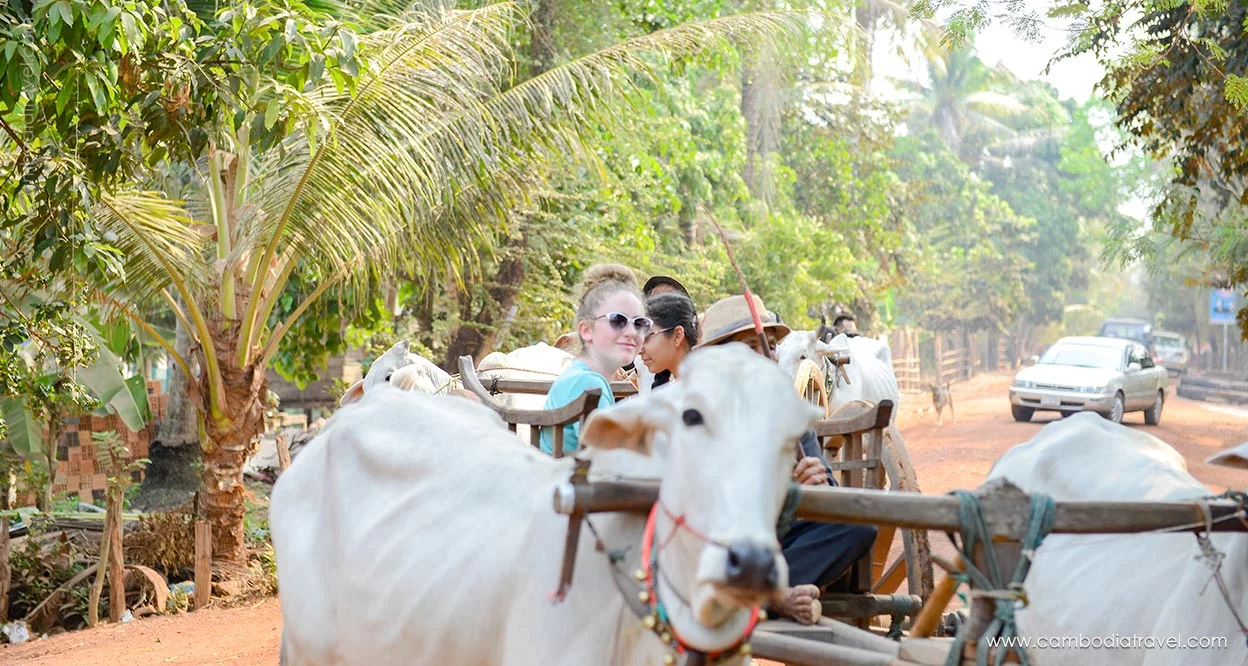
1005, 509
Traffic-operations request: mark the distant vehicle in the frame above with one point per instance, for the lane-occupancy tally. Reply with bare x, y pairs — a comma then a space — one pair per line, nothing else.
1171, 348
1128, 329
1110, 376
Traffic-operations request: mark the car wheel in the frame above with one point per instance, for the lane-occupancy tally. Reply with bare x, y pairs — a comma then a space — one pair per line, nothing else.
1152, 415
1021, 414
1119, 408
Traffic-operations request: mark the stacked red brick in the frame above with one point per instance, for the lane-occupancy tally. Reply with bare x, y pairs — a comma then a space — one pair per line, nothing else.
77, 471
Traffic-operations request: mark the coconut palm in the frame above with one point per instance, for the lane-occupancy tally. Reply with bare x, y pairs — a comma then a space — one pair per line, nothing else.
962, 100
414, 168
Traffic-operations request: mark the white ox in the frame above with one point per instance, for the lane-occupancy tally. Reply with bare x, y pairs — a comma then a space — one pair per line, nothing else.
1100, 585
419, 373
414, 531
870, 370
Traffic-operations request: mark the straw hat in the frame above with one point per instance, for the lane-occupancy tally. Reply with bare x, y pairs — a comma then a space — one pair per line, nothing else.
729, 316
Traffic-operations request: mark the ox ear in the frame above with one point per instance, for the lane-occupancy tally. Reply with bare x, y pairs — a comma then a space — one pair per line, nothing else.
630, 424
353, 394
567, 342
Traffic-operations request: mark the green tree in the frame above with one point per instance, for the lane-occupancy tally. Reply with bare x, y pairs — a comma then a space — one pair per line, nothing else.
398, 157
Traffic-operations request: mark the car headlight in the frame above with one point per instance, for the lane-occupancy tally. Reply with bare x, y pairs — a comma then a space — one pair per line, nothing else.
1024, 384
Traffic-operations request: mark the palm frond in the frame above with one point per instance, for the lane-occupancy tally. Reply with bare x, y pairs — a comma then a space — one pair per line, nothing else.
160, 244
438, 119
995, 103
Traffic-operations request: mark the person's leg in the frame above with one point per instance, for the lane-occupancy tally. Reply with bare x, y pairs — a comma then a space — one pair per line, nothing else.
819, 553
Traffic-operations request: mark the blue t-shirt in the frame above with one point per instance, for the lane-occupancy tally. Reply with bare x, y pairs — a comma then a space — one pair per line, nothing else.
574, 381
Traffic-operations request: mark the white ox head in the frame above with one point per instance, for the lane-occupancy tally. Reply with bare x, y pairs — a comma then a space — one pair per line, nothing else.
726, 435
870, 369
402, 369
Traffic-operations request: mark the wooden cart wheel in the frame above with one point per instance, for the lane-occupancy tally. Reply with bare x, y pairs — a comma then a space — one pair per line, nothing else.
810, 384
915, 563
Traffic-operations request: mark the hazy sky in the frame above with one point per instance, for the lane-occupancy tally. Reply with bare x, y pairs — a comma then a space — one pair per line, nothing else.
1073, 77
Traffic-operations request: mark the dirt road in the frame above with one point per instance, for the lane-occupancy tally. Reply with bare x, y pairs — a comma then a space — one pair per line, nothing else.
957, 455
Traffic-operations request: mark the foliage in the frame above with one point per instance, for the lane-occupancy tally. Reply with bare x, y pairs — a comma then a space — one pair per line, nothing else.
967, 244
37, 571
1176, 76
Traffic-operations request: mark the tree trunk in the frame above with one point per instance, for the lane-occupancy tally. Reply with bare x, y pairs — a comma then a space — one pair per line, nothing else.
178, 426
101, 570
477, 330
49, 454
760, 106
229, 443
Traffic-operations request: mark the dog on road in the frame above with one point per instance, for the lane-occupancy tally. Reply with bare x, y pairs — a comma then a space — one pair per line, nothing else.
942, 397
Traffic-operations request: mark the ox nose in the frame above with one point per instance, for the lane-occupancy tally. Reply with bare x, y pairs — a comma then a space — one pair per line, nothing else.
751, 567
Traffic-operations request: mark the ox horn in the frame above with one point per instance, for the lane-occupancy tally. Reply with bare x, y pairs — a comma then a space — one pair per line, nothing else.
823, 327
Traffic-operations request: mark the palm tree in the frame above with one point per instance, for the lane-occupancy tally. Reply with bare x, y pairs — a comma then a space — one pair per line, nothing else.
419, 165
962, 100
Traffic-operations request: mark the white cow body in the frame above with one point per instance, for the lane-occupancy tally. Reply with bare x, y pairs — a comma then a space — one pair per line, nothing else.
870, 370
1124, 585
414, 531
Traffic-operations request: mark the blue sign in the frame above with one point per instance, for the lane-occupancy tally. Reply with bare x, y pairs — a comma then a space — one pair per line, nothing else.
1222, 306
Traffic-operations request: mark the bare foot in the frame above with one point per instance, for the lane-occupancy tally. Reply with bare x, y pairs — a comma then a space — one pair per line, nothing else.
800, 603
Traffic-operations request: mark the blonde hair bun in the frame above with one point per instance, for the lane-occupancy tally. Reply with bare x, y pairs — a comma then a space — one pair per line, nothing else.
602, 280
601, 273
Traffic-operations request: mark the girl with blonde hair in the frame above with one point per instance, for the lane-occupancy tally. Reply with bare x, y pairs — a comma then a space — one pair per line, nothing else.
611, 322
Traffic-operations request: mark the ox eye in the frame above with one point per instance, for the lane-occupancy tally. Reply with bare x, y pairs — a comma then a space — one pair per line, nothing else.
692, 417
389, 375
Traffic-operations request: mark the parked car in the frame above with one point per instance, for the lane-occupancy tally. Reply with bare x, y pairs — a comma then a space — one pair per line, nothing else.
1171, 348
1110, 376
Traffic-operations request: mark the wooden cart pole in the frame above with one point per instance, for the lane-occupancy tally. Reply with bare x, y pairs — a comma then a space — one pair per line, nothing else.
203, 563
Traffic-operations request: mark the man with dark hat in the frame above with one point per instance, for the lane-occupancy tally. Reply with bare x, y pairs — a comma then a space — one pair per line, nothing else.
817, 553
662, 284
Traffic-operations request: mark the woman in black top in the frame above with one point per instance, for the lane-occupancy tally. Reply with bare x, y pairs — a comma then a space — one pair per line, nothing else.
672, 335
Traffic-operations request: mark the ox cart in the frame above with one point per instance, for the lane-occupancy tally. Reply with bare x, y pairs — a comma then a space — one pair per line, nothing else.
1000, 527
863, 449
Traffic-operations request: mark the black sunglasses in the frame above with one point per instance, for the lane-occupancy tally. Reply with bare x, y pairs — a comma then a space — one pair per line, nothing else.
618, 321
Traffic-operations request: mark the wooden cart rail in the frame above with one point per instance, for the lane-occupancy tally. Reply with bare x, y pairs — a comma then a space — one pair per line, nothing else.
537, 419
1005, 509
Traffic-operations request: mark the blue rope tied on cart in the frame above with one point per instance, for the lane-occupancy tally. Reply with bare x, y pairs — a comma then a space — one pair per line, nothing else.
974, 532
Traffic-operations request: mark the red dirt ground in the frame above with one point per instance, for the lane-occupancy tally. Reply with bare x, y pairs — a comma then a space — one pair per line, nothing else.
953, 456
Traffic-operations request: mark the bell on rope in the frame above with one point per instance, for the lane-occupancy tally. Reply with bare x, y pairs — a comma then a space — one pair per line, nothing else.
644, 596
746, 650
639, 574
648, 621
669, 659
665, 637
762, 615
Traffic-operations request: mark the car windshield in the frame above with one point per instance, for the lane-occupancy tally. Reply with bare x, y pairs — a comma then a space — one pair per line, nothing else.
1168, 343
1083, 356
1129, 331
